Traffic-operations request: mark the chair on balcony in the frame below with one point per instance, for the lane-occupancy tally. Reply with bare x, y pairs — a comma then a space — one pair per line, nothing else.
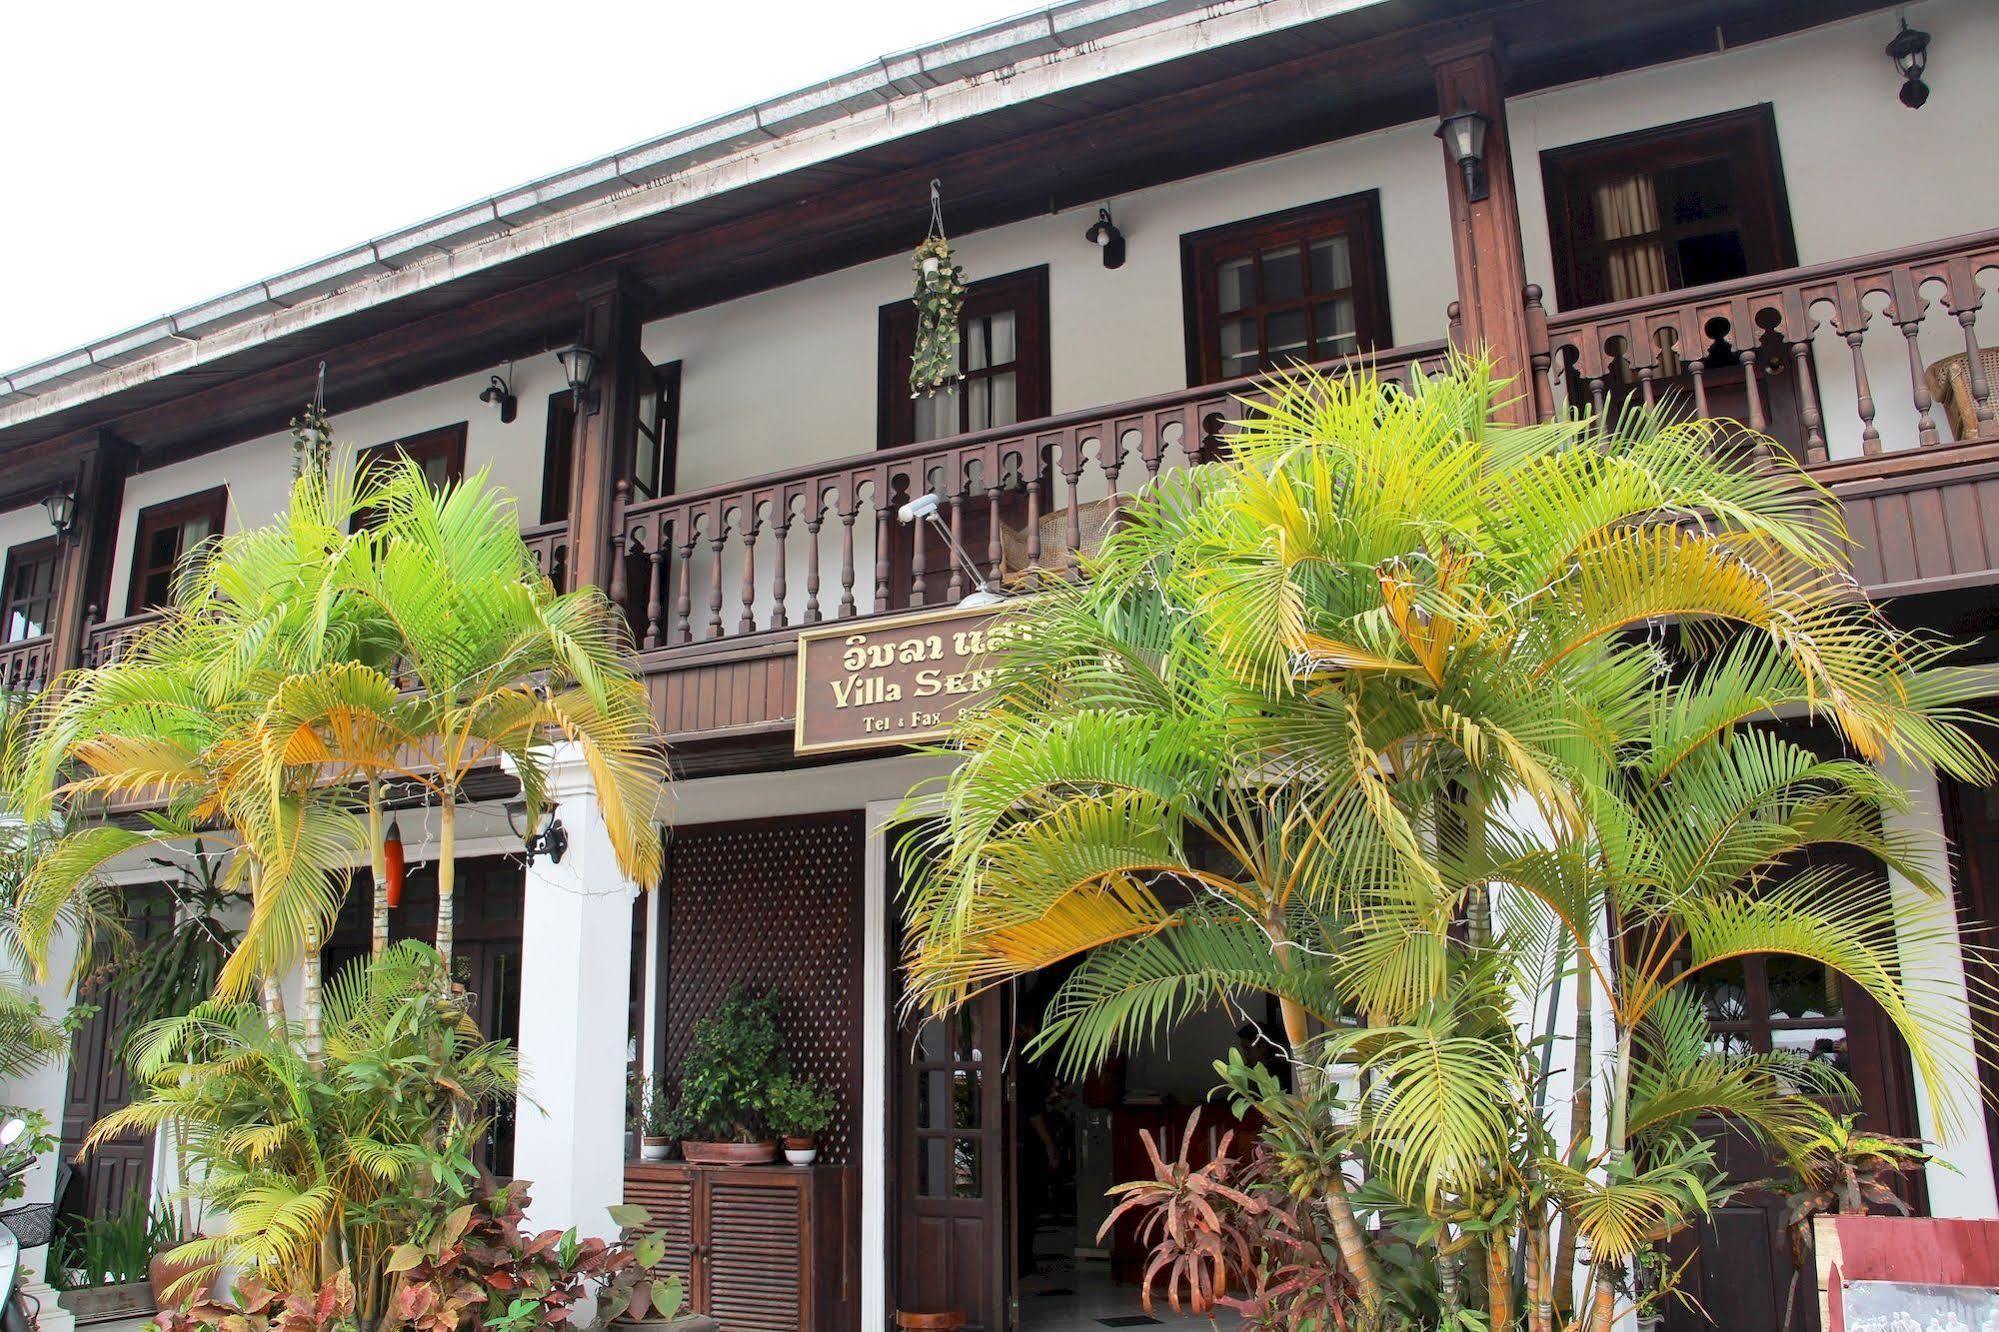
1095, 521
1950, 384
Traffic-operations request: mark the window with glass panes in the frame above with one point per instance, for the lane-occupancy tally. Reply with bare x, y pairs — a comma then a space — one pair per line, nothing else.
166, 533
440, 453
1002, 354
30, 589
1292, 288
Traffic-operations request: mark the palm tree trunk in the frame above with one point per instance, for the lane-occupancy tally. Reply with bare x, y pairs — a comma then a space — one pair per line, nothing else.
1603, 1316
1540, 1295
272, 996
447, 873
311, 1002
1352, 1241
1499, 1280
1582, 1107
379, 863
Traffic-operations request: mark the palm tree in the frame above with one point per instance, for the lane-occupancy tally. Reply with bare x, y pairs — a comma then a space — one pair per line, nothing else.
486, 662
1287, 738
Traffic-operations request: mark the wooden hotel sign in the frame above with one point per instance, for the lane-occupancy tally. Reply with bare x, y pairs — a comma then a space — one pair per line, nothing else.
877, 683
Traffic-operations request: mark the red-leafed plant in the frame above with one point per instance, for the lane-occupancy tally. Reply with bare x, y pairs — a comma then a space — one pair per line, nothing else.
257, 1308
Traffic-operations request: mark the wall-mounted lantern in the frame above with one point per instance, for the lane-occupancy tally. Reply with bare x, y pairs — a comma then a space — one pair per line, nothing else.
1103, 234
501, 392
552, 841
1463, 133
62, 512
1910, 50
579, 368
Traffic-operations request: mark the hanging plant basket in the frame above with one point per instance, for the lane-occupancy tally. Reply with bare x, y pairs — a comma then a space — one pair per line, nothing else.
940, 294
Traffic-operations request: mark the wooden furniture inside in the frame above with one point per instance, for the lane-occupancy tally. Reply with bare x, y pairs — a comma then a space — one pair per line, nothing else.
761, 1248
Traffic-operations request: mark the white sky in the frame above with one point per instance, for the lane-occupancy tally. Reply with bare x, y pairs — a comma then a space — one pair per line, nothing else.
153, 155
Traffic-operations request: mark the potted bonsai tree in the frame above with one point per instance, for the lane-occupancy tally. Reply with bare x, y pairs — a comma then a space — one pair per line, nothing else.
799, 1112
736, 1057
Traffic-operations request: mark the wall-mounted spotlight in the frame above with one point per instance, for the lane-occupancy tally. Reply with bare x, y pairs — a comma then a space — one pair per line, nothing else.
62, 511
552, 841
924, 509
499, 391
1103, 234
1463, 133
1910, 50
579, 368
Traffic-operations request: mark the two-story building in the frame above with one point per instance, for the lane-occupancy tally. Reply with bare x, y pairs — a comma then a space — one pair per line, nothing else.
1748, 206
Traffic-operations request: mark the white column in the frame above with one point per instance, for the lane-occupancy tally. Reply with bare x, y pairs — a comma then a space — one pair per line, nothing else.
576, 955
44, 1089
1933, 961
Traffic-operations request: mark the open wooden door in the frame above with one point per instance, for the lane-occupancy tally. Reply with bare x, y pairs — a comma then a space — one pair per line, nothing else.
953, 1170
950, 1161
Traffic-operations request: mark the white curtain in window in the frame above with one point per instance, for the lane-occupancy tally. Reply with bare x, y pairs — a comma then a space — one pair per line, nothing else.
1628, 207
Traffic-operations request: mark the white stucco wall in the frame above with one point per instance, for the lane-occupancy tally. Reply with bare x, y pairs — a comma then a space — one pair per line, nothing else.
789, 376
1863, 172
258, 472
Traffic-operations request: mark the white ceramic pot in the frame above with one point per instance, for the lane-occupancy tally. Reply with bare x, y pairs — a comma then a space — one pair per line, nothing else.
804, 1154
654, 1149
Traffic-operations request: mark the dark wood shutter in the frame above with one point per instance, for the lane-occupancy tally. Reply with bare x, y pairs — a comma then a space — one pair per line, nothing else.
751, 1265
669, 1201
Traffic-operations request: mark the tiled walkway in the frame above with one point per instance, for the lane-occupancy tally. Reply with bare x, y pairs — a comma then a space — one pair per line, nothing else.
1070, 1295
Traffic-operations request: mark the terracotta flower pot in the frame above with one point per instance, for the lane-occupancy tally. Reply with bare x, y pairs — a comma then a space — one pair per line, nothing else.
728, 1153
801, 1151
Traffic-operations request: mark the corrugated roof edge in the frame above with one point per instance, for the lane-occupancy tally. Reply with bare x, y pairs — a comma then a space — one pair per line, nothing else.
660, 174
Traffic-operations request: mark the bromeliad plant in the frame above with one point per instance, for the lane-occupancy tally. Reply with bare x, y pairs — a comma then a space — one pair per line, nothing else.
1407, 719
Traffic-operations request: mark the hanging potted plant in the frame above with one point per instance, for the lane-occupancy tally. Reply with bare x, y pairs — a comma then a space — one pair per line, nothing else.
799, 1111
940, 295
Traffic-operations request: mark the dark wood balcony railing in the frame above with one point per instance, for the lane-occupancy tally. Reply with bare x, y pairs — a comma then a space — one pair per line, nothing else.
550, 544
822, 542
26, 666
104, 640
1839, 360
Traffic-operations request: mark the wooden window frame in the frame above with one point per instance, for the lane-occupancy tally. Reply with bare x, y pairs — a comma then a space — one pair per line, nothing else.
444, 442
18, 557
895, 410
1357, 216
1747, 135
665, 387
212, 504
558, 456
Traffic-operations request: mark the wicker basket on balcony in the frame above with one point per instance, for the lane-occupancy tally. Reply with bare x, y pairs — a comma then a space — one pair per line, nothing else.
1096, 520
1950, 384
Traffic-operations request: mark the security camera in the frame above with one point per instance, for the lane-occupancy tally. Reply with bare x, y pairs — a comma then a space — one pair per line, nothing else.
923, 506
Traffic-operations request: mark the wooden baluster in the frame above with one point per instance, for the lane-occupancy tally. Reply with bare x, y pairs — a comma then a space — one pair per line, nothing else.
619, 546
995, 547
1072, 454
847, 517
815, 518
1870, 438
1646, 374
779, 589
1539, 354
1747, 360
1598, 395
717, 544
1981, 391
884, 517
957, 583
1810, 411
1697, 367
1034, 509
919, 565
747, 622
683, 604
655, 588
1906, 310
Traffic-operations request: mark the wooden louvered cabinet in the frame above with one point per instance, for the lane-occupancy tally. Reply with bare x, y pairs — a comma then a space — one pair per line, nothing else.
761, 1248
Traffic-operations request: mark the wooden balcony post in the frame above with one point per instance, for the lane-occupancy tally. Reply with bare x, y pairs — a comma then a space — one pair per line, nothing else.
602, 454
85, 576
1485, 235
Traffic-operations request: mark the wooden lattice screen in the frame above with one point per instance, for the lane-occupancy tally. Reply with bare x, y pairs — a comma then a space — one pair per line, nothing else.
775, 903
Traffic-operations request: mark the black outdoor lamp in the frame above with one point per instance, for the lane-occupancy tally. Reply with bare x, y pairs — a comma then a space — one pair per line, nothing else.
552, 841
1103, 234
579, 367
1910, 50
499, 391
1463, 132
62, 511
